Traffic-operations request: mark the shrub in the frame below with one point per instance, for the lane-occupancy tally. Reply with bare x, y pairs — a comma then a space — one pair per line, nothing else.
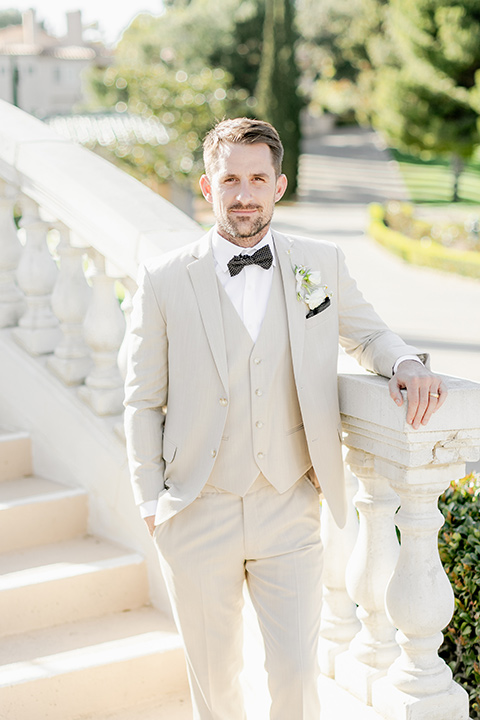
459, 545
425, 251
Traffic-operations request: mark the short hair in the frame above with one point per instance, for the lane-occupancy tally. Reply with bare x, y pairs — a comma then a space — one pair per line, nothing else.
242, 131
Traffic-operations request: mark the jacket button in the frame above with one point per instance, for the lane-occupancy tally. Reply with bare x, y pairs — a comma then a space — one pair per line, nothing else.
257, 360
259, 424
223, 401
260, 455
214, 453
258, 392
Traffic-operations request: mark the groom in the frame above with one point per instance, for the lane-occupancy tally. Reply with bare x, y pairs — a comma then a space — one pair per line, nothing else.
233, 425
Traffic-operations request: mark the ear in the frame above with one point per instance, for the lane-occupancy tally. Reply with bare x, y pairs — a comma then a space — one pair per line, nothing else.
280, 187
206, 188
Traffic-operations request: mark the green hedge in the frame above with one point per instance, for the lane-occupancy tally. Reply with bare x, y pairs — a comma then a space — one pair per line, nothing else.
431, 254
459, 545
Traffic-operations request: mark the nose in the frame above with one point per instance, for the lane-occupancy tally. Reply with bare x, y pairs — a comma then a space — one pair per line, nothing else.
244, 194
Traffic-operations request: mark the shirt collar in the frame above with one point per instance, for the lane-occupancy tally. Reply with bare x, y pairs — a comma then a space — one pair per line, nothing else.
223, 250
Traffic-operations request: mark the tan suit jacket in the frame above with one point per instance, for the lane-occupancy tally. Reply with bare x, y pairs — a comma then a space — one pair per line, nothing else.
177, 357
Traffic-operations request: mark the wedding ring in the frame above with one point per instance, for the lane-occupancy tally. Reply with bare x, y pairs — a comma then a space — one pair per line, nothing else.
434, 395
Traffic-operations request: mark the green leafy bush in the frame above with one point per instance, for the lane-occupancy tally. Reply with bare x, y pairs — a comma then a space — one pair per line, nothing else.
459, 545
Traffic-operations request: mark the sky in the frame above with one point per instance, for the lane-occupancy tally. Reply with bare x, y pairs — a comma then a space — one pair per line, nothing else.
113, 16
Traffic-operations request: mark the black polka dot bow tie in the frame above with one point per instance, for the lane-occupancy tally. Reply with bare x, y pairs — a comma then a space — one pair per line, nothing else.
262, 257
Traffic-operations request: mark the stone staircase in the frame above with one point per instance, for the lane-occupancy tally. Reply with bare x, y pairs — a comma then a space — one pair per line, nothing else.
77, 637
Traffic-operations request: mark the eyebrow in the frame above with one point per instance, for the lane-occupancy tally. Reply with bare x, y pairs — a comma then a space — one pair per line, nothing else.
252, 174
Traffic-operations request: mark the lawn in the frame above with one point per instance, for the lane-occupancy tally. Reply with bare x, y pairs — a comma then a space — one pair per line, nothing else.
431, 181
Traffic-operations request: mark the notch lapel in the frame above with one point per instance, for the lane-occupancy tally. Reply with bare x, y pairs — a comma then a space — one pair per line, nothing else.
205, 285
289, 255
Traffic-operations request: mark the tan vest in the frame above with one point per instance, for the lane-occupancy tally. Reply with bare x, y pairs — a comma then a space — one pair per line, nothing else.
264, 429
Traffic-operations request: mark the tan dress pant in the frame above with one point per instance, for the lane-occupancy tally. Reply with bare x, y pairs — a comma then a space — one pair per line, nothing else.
272, 542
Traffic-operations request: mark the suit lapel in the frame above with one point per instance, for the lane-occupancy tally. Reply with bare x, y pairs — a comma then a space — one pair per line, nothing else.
204, 281
289, 255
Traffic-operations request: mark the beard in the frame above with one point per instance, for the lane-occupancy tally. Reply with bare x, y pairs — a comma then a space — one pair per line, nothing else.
247, 227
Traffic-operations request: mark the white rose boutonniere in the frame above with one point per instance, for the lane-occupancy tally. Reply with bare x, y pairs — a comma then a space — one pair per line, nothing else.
309, 287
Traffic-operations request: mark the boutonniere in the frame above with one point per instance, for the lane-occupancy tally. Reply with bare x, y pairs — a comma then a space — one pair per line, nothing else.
309, 286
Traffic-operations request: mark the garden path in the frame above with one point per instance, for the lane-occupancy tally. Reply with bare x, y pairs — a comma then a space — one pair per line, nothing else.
340, 173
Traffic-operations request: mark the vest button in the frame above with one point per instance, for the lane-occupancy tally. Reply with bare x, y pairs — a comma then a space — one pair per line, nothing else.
223, 401
259, 424
258, 392
260, 456
257, 360
214, 453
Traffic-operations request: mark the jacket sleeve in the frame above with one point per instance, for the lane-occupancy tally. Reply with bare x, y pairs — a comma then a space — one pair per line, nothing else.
146, 389
363, 333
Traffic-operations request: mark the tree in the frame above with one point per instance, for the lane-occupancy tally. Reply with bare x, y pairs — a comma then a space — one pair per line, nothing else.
186, 105
278, 101
425, 104
341, 44
10, 17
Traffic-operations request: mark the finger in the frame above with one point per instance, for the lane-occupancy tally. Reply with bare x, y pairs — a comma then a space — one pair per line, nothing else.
437, 396
422, 406
395, 393
443, 392
433, 401
413, 399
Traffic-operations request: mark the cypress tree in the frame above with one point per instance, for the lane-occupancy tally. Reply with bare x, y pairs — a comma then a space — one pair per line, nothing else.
277, 98
425, 103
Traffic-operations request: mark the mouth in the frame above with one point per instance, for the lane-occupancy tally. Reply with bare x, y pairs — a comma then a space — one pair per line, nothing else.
244, 210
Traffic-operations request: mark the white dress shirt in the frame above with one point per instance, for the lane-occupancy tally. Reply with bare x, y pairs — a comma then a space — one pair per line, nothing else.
250, 289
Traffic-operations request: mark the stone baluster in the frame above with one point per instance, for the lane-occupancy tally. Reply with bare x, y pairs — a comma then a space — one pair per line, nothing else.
130, 287
369, 569
12, 302
38, 330
419, 465
420, 602
71, 360
104, 328
339, 621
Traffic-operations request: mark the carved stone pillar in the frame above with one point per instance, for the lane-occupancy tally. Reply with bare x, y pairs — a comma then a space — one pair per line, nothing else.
369, 569
104, 332
130, 289
12, 302
71, 361
339, 621
38, 331
419, 464
420, 602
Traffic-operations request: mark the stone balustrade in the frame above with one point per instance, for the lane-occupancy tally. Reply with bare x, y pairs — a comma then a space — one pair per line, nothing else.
84, 228
402, 595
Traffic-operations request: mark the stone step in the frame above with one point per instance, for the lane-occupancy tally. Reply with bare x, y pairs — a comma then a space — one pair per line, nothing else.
125, 663
34, 511
66, 582
15, 455
170, 707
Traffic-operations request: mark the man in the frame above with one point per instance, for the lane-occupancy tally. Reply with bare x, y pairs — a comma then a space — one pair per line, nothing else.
238, 334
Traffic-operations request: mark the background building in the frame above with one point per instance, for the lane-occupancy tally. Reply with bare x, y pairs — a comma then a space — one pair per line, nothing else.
41, 74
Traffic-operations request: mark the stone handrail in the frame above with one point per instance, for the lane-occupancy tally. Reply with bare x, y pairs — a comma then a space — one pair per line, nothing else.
99, 212
386, 604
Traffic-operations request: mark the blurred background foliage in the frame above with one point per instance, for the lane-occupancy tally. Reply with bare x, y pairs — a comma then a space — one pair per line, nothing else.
410, 68
196, 64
